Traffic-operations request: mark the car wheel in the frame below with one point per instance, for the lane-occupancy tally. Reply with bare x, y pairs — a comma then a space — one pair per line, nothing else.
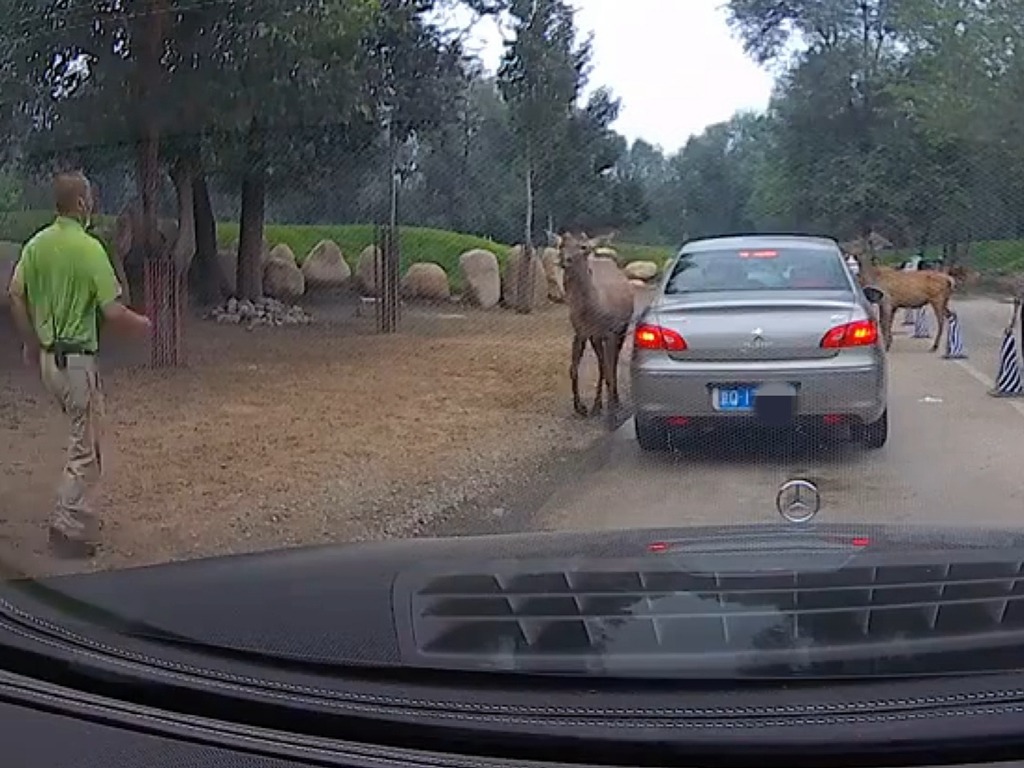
651, 434
875, 434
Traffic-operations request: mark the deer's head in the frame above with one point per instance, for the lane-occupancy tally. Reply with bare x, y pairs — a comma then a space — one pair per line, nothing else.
574, 250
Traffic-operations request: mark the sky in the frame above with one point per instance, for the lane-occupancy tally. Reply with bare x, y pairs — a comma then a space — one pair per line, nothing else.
674, 64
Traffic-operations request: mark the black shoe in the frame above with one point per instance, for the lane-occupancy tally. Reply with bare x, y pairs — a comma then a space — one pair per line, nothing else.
65, 547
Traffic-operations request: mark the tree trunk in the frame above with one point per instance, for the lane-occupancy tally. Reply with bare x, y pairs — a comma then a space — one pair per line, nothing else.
524, 294
160, 288
161, 284
206, 277
250, 235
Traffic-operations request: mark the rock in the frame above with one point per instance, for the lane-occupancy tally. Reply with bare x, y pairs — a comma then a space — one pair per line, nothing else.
607, 252
641, 270
481, 277
325, 266
425, 280
510, 280
282, 279
554, 274
366, 270
264, 311
283, 252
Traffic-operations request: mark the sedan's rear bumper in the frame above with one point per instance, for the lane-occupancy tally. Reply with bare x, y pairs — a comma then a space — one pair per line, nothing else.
662, 387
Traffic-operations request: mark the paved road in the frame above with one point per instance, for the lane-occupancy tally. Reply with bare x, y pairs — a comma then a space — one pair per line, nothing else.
955, 456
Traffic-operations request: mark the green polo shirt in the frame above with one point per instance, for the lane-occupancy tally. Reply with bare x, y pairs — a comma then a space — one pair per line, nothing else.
67, 279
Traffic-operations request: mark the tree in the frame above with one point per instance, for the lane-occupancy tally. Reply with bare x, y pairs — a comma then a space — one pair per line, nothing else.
183, 74
540, 78
288, 72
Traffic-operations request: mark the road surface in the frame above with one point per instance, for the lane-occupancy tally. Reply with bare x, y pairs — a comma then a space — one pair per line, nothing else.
955, 456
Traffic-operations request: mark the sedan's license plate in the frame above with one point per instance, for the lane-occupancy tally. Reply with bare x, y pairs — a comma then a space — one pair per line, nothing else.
733, 398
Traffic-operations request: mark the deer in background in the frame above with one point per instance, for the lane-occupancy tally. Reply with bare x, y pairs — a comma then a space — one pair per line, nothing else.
600, 301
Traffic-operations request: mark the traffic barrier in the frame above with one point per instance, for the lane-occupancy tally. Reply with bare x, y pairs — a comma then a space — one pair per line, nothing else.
921, 330
954, 340
1008, 380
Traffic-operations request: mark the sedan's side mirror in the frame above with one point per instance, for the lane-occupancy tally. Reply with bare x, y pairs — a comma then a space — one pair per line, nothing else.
875, 296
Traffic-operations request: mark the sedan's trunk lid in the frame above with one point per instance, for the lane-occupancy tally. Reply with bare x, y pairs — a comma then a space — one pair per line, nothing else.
761, 325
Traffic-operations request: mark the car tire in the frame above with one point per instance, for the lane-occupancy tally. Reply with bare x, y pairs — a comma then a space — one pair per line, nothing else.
651, 435
875, 434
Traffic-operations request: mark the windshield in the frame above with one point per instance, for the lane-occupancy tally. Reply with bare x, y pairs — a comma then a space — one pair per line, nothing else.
560, 336
754, 267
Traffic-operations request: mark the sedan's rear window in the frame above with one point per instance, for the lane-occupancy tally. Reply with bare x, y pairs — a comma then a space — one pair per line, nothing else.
758, 269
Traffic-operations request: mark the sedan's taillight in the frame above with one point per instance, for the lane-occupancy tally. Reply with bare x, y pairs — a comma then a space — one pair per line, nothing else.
655, 337
861, 333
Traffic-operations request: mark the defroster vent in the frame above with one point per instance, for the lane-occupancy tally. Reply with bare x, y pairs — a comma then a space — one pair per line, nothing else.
663, 621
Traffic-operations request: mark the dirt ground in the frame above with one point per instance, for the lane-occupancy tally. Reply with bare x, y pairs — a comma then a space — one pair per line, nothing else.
295, 435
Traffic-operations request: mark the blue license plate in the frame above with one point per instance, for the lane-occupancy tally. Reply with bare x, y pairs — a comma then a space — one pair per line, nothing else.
734, 398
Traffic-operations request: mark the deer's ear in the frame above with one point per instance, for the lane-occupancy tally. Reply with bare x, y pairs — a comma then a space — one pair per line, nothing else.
873, 294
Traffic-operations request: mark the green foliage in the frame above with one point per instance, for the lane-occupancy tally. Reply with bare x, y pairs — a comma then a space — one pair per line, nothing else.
542, 70
903, 117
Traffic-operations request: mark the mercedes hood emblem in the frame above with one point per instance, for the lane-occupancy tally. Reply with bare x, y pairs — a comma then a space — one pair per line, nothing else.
798, 501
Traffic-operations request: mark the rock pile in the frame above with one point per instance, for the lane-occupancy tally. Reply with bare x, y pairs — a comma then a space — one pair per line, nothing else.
262, 312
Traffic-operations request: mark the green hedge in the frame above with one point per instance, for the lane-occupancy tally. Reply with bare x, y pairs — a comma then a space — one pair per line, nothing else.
19, 226
987, 256
444, 247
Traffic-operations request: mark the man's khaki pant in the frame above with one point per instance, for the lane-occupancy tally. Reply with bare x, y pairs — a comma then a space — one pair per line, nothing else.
78, 392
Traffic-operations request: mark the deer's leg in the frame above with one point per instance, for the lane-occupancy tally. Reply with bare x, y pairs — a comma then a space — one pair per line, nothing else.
887, 315
579, 343
611, 376
940, 307
601, 350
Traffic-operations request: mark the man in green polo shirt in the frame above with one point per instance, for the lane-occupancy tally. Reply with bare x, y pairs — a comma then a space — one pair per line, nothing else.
61, 286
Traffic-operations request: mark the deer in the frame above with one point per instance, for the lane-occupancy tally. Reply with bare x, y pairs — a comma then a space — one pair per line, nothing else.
907, 290
600, 301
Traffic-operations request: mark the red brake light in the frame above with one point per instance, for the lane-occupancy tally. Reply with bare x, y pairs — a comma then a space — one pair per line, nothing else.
862, 333
657, 338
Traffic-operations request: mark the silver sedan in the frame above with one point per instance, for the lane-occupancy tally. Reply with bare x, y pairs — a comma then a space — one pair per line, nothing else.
759, 331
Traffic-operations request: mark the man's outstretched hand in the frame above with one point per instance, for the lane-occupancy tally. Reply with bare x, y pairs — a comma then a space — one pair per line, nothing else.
126, 321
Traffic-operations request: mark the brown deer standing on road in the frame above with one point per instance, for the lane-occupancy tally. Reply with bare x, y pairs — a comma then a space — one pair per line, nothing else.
907, 290
600, 301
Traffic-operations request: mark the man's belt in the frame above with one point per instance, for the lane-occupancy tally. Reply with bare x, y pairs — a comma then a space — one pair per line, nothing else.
62, 349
